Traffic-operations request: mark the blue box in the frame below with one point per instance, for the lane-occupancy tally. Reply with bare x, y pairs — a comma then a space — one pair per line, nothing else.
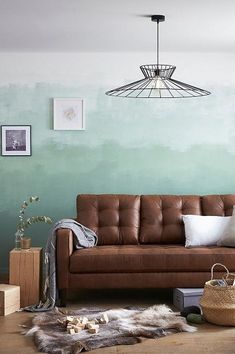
183, 297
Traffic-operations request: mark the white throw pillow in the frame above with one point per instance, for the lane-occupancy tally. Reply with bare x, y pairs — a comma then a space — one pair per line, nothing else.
204, 230
228, 237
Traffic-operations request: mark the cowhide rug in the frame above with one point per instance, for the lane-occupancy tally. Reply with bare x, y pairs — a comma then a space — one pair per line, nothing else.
125, 326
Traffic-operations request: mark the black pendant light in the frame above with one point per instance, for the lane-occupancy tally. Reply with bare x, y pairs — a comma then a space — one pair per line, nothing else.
157, 82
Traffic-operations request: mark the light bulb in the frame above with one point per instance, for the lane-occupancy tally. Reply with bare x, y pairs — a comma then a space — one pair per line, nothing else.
157, 83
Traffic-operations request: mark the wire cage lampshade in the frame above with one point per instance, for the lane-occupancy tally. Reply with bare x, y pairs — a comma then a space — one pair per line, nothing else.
157, 82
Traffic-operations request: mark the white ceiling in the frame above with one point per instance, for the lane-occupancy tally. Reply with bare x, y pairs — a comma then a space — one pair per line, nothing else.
116, 25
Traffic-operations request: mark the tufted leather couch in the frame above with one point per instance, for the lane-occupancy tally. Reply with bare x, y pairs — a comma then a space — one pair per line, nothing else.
140, 242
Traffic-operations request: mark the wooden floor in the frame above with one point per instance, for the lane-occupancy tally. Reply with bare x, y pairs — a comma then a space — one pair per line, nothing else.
208, 339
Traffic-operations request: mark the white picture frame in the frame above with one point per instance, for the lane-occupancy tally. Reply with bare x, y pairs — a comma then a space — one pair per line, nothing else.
16, 140
68, 114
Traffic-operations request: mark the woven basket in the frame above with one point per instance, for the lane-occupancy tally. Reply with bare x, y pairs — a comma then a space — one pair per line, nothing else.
218, 302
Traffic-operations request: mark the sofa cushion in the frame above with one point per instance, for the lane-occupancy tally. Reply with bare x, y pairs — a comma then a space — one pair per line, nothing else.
113, 217
149, 258
161, 217
228, 238
219, 205
201, 230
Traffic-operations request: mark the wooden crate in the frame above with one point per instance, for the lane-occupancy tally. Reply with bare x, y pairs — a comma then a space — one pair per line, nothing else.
25, 270
9, 299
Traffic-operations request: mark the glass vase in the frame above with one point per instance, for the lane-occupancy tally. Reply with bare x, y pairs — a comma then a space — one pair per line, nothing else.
18, 237
25, 243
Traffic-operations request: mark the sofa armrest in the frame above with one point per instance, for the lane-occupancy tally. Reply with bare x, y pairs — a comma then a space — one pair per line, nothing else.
64, 249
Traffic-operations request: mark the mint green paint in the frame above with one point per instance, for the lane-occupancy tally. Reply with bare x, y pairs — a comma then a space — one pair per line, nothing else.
129, 146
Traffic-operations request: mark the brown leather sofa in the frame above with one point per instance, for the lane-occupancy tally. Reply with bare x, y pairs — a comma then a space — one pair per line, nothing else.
140, 243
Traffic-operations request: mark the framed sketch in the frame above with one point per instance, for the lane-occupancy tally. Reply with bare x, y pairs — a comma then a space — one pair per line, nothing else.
16, 140
69, 114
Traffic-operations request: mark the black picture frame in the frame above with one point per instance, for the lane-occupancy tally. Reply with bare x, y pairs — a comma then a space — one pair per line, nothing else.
16, 140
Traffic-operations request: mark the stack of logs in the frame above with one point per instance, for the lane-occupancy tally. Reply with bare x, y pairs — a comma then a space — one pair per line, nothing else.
75, 324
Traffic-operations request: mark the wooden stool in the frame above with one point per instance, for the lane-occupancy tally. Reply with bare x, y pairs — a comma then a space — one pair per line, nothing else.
25, 271
9, 299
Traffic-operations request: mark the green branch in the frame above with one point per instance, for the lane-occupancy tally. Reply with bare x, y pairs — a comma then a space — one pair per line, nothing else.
25, 223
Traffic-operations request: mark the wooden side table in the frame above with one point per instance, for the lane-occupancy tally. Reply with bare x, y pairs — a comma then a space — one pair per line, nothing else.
25, 271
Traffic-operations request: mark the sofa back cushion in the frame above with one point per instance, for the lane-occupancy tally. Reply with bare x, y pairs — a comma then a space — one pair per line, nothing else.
115, 218
161, 217
219, 205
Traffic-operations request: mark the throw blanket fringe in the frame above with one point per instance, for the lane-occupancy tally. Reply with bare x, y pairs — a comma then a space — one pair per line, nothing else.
83, 238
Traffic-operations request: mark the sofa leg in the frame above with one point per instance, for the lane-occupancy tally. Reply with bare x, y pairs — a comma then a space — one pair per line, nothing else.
62, 301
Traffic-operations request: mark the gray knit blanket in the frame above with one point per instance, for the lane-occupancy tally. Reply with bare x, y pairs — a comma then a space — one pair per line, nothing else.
83, 238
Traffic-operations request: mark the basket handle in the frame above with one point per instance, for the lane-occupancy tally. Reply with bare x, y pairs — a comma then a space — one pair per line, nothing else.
218, 264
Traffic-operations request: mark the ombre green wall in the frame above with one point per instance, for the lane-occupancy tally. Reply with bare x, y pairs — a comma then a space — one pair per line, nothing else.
181, 146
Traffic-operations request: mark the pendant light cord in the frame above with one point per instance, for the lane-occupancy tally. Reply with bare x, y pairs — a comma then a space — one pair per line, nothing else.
157, 43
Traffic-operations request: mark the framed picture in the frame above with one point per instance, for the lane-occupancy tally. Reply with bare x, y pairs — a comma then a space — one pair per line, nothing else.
69, 114
16, 140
